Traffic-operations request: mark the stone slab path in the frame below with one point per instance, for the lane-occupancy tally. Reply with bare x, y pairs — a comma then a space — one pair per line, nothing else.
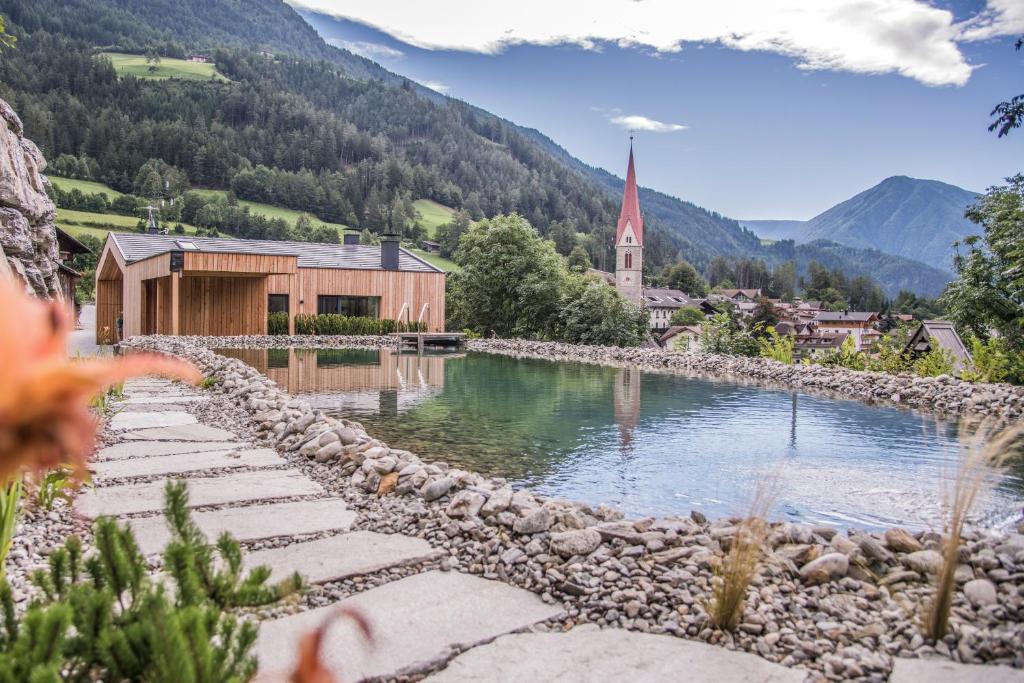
587, 653
186, 462
253, 522
945, 671
417, 621
342, 556
194, 432
165, 418
134, 449
162, 398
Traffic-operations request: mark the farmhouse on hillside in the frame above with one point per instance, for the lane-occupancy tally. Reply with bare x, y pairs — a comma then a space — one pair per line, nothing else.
172, 284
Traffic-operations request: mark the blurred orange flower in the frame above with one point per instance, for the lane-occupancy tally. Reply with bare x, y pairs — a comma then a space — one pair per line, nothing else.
45, 419
309, 667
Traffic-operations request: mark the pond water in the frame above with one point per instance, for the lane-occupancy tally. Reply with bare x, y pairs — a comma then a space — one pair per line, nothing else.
646, 443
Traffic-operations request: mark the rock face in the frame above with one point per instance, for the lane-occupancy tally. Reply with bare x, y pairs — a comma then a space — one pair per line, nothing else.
28, 239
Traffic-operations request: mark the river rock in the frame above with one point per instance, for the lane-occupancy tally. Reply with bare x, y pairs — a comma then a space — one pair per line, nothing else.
465, 503
924, 561
575, 542
328, 452
824, 569
437, 488
533, 522
498, 502
901, 541
980, 592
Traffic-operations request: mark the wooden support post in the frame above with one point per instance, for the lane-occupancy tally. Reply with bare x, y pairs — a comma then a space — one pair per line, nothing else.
175, 303
293, 301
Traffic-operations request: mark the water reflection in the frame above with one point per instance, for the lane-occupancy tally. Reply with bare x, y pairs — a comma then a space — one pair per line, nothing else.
648, 443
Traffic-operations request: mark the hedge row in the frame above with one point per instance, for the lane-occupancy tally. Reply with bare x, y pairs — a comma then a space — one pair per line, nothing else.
277, 323
333, 324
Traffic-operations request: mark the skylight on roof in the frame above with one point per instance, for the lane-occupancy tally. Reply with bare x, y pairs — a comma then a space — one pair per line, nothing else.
676, 298
191, 246
652, 298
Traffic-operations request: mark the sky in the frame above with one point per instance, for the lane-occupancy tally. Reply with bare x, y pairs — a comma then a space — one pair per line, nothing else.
757, 109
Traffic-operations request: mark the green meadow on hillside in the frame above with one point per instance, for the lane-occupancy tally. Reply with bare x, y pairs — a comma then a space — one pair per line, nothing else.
135, 65
437, 260
433, 214
83, 186
77, 223
270, 211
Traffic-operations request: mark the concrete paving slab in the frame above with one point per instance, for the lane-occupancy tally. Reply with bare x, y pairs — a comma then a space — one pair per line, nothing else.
230, 488
186, 462
136, 449
195, 432
416, 621
946, 671
338, 557
164, 418
253, 522
588, 653
163, 398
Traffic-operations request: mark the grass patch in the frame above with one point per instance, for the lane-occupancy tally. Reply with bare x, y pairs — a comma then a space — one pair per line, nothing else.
78, 223
270, 211
135, 65
432, 215
84, 186
437, 260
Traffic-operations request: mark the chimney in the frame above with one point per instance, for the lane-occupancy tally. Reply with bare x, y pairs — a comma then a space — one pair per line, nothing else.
389, 251
351, 238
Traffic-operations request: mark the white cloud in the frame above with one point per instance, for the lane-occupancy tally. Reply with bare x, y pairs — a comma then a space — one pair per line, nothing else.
367, 49
436, 86
637, 122
908, 37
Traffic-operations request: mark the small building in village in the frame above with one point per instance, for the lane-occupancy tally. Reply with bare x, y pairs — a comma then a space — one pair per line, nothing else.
681, 337
171, 284
942, 334
663, 302
860, 324
747, 295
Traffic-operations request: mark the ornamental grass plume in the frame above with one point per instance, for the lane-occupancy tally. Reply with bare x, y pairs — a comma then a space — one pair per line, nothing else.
982, 454
44, 396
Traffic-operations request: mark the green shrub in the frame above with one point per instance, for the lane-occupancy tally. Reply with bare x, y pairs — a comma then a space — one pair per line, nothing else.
277, 323
989, 361
846, 356
936, 362
103, 617
10, 502
892, 356
305, 323
777, 347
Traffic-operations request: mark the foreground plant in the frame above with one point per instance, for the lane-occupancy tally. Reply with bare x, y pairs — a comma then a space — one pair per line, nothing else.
102, 617
45, 420
741, 563
10, 500
983, 453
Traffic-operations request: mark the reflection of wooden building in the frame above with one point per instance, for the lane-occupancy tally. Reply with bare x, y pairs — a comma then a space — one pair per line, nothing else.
319, 371
169, 284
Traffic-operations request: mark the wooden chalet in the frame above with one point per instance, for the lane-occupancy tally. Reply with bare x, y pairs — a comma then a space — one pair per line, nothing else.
171, 284
941, 334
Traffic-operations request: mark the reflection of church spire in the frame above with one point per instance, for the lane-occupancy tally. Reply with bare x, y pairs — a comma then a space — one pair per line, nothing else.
626, 395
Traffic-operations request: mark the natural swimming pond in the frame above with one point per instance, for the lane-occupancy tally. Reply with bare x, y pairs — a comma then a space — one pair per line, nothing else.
646, 443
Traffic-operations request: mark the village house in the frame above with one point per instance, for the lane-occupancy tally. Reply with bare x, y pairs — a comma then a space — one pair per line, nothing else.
681, 337
808, 345
942, 334
662, 303
740, 295
170, 284
806, 311
860, 324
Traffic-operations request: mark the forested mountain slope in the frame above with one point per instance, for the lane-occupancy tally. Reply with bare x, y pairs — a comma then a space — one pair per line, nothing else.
312, 127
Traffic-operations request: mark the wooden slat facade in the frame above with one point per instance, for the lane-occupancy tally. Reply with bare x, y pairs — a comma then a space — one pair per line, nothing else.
226, 294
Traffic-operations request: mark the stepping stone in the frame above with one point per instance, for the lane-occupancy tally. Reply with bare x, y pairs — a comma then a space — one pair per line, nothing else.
133, 449
194, 432
230, 488
588, 653
186, 462
165, 418
338, 557
164, 398
253, 522
946, 671
416, 622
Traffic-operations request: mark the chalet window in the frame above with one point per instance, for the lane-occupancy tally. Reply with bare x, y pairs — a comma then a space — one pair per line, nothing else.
277, 303
361, 306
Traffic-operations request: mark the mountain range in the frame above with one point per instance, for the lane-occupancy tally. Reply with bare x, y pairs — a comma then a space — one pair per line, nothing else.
918, 219
362, 134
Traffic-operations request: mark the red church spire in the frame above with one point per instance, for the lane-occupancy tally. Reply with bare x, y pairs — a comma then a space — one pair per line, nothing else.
630, 204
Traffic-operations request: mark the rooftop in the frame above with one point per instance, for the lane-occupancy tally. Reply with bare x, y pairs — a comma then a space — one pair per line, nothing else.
137, 246
845, 316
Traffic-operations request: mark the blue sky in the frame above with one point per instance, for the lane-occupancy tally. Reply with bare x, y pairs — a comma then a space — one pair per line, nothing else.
779, 115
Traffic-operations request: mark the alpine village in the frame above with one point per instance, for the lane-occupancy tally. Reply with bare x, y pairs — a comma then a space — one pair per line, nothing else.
314, 369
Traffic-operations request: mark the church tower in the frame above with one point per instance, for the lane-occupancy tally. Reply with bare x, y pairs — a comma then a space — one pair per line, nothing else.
629, 240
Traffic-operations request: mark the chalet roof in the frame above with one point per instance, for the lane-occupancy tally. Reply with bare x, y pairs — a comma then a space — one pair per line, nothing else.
845, 316
630, 212
668, 298
138, 246
943, 333
68, 243
676, 330
809, 305
750, 293
823, 340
